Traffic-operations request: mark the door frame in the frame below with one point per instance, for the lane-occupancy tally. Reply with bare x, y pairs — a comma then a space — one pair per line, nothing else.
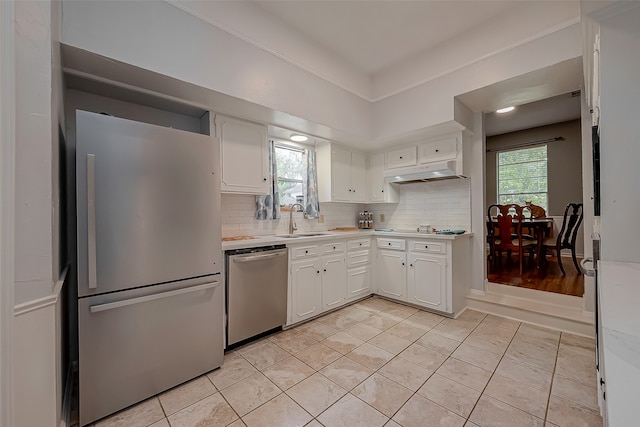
7, 200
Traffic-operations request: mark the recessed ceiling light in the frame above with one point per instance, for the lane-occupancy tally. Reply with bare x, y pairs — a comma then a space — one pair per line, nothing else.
298, 138
505, 110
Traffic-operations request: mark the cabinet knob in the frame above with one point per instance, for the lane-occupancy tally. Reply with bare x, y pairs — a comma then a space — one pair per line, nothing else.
400, 157
403, 263
306, 252
389, 243
410, 265
264, 179
360, 244
318, 272
334, 248
437, 150
426, 246
325, 270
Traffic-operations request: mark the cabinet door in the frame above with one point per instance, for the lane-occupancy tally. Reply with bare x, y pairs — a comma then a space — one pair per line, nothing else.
306, 289
358, 178
427, 280
340, 175
358, 282
375, 178
442, 149
377, 189
244, 156
401, 158
392, 274
334, 281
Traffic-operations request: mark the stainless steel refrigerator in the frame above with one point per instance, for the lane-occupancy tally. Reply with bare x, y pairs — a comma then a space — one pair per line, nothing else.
150, 298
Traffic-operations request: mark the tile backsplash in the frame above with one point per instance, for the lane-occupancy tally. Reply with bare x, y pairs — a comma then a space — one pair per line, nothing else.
238, 217
441, 204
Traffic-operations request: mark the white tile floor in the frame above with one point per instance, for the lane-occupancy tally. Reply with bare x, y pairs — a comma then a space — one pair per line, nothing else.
380, 363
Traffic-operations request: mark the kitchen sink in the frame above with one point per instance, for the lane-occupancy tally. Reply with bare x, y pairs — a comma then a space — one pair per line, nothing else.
293, 236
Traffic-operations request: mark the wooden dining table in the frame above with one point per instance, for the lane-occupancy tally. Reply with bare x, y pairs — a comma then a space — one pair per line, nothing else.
542, 227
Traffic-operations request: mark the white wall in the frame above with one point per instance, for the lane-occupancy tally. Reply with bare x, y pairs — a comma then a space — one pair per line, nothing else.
182, 46
432, 102
442, 204
619, 147
37, 374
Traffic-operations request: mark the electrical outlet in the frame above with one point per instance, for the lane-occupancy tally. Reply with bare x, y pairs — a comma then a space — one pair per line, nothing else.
381, 217
321, 219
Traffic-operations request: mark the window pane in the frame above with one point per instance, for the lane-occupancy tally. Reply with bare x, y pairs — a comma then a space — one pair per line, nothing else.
290, 163
289, 191
522, 176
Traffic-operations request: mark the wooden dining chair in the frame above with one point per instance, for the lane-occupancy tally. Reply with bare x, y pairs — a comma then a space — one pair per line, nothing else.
566, 238
509, 223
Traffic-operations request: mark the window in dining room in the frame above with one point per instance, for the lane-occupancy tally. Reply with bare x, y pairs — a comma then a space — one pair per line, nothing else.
522, 176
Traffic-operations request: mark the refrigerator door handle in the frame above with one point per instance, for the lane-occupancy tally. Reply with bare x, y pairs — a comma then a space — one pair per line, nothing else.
258, 257
111, 305
91, 220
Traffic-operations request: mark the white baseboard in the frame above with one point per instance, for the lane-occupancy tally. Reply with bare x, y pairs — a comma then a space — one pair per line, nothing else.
555, 311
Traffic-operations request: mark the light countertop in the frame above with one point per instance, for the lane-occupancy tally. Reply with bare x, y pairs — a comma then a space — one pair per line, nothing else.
268, 240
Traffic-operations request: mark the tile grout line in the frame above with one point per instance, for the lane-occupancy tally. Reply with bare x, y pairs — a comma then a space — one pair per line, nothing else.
553, 374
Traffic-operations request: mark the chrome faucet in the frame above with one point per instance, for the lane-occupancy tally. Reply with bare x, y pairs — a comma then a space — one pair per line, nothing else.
292, 224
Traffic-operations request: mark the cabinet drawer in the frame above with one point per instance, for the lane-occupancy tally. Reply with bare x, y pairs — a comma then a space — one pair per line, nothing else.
401, 158
443, 149
356, 244
298, 252
428, 246
332, 248
359, 258
398, 244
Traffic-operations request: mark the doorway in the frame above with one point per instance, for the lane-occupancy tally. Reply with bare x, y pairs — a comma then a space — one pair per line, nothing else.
533, 156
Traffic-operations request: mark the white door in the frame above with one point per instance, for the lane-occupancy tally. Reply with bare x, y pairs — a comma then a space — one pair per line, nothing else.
334, 281
427, 280
358, 282
358, 177
392, 274
306, 289
341, 175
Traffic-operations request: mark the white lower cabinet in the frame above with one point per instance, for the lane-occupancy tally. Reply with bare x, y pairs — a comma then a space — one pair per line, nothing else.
318, 279
427, 280
306, 289
334, 281
392, 274
358, 282
358, 268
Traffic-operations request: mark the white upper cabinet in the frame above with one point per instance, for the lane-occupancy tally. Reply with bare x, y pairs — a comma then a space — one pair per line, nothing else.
245, 156
401, 158
341, 174
379, 191
438, 150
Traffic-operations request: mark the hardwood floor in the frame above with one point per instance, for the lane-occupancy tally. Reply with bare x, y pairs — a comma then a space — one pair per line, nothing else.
549, 278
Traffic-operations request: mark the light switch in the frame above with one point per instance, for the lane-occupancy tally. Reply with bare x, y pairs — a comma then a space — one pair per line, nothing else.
320, 219
381, 217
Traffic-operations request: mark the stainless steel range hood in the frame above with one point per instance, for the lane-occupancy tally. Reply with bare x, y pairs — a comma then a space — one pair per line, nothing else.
428, 172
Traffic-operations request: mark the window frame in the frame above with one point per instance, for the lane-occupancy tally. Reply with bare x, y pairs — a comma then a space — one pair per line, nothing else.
301, 148
546, 192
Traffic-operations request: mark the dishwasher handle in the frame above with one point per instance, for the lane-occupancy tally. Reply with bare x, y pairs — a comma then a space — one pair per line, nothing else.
241, 259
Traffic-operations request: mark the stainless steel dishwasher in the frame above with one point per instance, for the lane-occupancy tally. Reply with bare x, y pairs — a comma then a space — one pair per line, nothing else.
256, 291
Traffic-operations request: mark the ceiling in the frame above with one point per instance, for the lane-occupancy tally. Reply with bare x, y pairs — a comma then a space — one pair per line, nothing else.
375, 35
382, 39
